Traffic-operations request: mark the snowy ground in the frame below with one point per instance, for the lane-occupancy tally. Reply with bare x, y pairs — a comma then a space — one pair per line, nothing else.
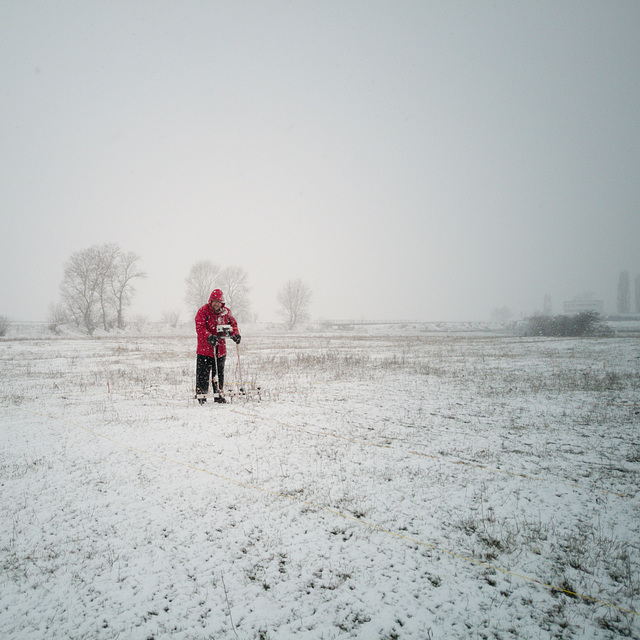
425, 486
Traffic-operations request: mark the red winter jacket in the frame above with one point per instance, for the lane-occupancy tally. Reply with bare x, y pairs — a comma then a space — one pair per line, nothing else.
207, 321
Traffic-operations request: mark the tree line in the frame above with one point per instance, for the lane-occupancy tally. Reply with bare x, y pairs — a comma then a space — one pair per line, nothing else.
294, 298
97, 289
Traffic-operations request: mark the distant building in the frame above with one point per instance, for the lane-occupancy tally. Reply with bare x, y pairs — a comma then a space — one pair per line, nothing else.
572, 307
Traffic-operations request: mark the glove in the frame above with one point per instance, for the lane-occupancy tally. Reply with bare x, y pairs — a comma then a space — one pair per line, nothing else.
236, 338
213, 340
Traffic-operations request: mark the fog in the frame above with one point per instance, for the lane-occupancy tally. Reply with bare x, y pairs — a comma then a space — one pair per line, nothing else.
415, 160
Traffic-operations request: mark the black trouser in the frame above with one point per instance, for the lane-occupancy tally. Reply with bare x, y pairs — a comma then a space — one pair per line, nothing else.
205, 369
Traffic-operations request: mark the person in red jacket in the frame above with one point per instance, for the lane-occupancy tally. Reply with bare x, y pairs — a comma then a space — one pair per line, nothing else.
213, 322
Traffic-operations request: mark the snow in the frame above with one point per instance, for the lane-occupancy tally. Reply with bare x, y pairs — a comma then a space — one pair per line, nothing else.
390, 484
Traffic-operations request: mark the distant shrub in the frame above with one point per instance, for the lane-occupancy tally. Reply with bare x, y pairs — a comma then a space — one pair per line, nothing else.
172, 318
57, 317
5, 324
587, 323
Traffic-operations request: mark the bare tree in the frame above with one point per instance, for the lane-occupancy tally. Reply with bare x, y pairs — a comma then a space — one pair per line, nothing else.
126, 270
637, 293
106, 258
234, 283
624, 293
200, 283
97, 286
294, 299
79, 288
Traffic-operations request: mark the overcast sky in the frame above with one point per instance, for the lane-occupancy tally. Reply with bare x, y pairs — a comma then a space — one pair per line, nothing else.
413, 160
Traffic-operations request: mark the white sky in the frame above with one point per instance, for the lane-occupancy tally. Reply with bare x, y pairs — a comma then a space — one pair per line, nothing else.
413, 160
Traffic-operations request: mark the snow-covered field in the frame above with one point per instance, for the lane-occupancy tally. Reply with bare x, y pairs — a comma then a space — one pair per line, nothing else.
424, 486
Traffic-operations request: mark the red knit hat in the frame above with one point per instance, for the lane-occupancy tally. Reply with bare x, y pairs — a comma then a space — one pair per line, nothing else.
216, 294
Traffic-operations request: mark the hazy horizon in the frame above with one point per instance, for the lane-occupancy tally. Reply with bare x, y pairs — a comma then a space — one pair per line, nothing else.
426, 161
